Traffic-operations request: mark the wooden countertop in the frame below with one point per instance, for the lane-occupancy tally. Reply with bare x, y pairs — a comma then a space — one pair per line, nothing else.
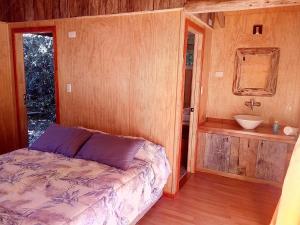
232, 128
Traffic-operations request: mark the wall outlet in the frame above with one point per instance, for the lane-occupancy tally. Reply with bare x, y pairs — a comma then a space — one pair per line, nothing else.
72, 34
69, 88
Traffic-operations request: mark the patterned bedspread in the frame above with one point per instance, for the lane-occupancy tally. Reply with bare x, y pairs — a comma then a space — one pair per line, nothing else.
43, 188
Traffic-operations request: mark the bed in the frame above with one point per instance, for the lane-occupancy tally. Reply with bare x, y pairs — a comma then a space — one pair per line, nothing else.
45, 188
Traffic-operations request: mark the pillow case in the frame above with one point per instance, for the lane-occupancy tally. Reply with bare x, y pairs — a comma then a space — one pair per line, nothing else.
111, 150
146, 153
61, 140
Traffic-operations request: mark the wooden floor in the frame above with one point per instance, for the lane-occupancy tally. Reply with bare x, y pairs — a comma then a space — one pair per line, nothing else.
213, 200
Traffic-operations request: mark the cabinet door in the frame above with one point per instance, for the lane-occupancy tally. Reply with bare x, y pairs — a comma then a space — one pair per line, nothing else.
218, 152
247, 157
271, 160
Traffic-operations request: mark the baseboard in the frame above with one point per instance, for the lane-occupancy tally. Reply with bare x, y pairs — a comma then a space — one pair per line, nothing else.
169, 195
239, 177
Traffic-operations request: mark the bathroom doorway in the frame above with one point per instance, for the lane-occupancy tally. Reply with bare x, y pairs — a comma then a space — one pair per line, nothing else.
194, 40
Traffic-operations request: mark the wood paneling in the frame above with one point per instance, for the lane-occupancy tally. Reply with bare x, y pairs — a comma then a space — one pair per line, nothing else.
8, 129
234, 157
270, 160
217, 152
130, 74
19, 10
247, 156
214, 200
203, 6
20, 89
123, 70
280, 26
243, 158
3, 7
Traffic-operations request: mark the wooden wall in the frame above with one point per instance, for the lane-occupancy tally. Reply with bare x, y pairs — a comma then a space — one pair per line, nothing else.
123, 70
3, 8
8, 130
280, 29
20, 10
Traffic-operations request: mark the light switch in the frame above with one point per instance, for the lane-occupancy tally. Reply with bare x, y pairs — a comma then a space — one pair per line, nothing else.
219, 74
69, 88
72, 34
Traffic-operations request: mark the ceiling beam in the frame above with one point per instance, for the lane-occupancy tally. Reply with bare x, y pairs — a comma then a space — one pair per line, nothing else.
207, 18
205, 6
221, 19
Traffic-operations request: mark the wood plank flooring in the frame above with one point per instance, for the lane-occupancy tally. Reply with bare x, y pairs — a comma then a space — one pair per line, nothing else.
214, 200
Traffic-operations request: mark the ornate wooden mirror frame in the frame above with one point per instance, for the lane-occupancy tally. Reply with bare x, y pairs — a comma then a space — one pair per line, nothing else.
263, 71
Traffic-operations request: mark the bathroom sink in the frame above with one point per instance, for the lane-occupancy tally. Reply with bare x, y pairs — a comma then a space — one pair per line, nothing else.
248, 122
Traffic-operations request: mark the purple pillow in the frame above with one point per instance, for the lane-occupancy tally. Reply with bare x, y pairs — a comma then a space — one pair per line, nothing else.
61, 140
110, 150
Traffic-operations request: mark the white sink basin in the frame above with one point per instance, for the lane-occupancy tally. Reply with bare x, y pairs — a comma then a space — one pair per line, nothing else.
248, 122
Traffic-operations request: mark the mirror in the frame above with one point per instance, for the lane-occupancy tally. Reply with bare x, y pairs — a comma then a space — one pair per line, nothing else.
256, 71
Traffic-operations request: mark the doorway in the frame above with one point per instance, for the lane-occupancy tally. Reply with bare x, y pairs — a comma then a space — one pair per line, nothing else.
194, 44
36, 82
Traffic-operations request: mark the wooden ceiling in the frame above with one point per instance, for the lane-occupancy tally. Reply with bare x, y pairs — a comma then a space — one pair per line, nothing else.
27, 10
205, 6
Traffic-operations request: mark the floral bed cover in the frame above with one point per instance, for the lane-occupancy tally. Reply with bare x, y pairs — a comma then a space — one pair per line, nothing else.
44, 188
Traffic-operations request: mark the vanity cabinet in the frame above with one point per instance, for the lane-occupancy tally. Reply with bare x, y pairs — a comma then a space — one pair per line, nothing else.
243, 156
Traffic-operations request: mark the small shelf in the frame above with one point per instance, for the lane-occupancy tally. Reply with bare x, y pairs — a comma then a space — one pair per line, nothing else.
231, 128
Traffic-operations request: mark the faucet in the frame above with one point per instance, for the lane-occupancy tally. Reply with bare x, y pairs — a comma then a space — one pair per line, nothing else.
252, 103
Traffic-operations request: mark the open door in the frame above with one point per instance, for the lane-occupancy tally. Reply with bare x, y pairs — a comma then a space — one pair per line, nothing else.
36, 81
193, 53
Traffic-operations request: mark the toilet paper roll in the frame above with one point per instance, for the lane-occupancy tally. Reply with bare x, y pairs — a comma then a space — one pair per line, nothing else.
291, 131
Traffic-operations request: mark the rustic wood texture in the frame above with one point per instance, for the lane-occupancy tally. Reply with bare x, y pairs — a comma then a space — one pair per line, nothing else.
247, 156
214, 200
19, 10
200, 151
204, 6
207, 18
263, 62
270, 164
8, 126
3, 10
123, 70
234, 155
284, 106
243, 158
231, 128
217, 152
221, 19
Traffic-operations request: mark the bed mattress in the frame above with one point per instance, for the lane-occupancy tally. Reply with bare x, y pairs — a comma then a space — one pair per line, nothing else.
45, 188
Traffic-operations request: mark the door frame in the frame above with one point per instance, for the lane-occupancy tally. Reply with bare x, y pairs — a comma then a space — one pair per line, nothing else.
22, 140
193, 27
